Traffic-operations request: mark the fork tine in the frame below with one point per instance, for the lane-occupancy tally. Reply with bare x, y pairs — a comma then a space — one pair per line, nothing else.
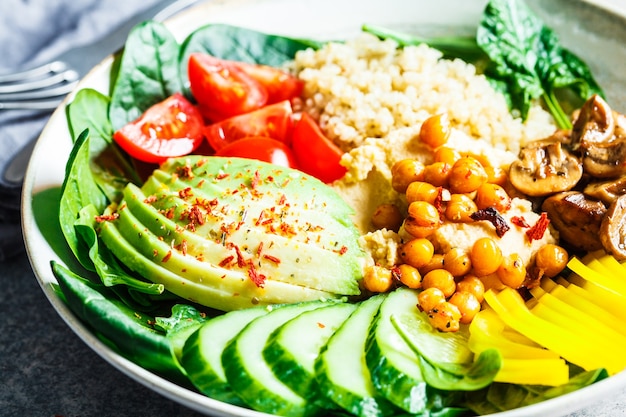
31, 105
51, 67
44, 82
41, 93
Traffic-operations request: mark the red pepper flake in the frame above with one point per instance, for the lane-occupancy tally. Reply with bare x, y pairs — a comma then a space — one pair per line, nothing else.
241, 262
200, 183
221, 176
155, 253
438, 203
272, 259
283, 200
259, 249
185, 171
519, 221
343, 250
107, 217
256, 180
226, 261
321, 325
260, 218
167, 256
150, 199
536, 232
184, 193
169, 213
491, 215
183, 247
258, 279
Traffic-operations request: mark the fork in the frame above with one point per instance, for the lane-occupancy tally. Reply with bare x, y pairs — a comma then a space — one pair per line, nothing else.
44, 87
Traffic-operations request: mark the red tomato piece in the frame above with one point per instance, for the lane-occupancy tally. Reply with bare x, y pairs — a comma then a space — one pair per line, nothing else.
315, 153
280, 85
262, 149
273, 121
222, 88
172, 127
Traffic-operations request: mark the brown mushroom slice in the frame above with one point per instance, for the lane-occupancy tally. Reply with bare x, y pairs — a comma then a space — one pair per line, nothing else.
606, 191
613, 229
545, 167
577, 218
606, 161
594, 125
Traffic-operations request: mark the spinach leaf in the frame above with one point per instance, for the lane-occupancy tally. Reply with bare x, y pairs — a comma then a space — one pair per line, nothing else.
528, 60
148, 73
240, 44
443, 362
501, 396
108, 268
184, 320
79, 189
125, 330
463, 47
112, 168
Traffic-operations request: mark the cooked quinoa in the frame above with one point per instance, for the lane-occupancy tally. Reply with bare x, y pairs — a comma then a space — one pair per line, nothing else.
368, 88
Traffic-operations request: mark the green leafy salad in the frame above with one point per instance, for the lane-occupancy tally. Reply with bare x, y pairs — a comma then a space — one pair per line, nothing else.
240, 278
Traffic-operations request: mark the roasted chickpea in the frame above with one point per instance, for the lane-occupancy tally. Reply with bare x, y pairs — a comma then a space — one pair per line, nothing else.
512, 271
422, 191
551, 259
466, 175
436, 262
417, 252
445, 317
457, 262
468, 305
442, 279
377, 279
423, 219
430, 298
409, 276
387, 216
486, 256
405, 172
437, 173
447, 155
492, 195
435, 130
460, 208
472, 284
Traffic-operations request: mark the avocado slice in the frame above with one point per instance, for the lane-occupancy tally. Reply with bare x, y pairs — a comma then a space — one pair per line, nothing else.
230, 233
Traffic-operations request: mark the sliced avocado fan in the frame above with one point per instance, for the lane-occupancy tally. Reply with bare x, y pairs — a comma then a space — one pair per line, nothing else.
230, 233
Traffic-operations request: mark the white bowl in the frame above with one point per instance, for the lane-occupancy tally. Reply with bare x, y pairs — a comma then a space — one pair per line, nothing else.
596, 31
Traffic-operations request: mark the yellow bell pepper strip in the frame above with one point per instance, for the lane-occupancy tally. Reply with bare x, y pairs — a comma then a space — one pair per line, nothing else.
572, 346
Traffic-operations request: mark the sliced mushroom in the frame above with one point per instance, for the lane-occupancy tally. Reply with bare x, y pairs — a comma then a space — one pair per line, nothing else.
594, 125
577, 218
545, 167
599, 135
613, 229
606, 191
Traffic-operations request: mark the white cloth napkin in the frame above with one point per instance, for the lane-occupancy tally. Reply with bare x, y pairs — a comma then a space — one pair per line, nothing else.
31, 33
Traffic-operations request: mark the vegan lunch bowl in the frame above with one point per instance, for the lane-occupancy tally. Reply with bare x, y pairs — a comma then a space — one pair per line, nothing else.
393, 210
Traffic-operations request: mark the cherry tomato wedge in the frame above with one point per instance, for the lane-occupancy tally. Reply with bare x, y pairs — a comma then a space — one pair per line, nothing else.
280, 85
273, 121
315, 153
172, 127
262, 149
222, 88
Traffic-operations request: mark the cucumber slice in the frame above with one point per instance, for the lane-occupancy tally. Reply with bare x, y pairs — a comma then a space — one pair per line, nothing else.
252, 379
341, 370
293, 348
202, 353
394, 366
